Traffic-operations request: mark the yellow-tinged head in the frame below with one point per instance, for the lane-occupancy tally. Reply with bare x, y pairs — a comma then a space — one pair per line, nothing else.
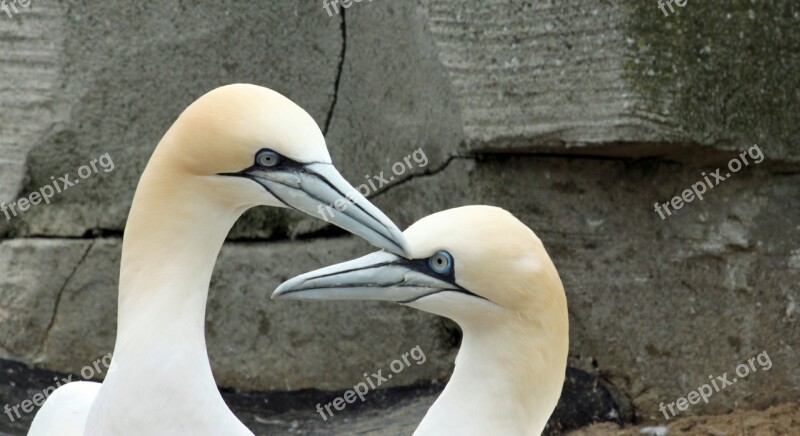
223, 130
470, 264
244, 145
494, 255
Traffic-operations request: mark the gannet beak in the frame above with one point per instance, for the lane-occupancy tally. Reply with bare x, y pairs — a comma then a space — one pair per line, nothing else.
377, 276
319, 190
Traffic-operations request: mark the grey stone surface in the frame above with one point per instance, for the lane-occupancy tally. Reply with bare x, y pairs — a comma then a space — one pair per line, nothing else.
120, 90
33, 279
66, 318
538, 74
719, 74
385, 79
395, 104
619, 77
29, 85
125, 71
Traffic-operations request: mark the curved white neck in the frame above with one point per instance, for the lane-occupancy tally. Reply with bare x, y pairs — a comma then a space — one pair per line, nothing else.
161, 377
507, 381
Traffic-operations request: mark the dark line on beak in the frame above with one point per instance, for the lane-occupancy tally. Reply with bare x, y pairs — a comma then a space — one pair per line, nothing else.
460, 291
329, 183
343, 286
377, 265
321, 201
302, 169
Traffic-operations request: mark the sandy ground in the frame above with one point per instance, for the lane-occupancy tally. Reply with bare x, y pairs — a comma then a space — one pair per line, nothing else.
778, 420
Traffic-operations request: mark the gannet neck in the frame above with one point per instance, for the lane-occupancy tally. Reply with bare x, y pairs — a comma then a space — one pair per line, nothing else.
507, 379
161, 382
174, 233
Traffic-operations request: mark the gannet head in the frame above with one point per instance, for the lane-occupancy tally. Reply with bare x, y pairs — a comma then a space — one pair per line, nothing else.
472, 264
252, 146
487, 271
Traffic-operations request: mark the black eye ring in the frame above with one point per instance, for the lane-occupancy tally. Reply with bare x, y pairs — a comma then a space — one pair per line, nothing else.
441, 262
268, 159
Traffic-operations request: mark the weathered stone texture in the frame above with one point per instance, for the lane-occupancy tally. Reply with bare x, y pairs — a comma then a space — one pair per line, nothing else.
127, 70
33, 277
556, 75
533, 74
721, 74
29, 82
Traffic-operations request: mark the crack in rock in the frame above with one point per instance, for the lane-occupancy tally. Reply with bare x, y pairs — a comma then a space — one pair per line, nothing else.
336, 82
426, 173
60, 294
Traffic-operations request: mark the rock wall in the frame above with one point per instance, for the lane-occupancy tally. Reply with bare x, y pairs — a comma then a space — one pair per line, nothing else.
577, 116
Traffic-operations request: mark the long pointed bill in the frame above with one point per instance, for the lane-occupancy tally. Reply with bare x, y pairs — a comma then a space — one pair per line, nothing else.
319, 190
377, 276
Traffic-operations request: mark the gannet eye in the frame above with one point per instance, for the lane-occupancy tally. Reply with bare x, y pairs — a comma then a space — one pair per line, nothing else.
441, 262
268, 158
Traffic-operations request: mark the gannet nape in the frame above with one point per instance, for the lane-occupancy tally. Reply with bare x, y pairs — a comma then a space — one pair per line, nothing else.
487, 271
237, 147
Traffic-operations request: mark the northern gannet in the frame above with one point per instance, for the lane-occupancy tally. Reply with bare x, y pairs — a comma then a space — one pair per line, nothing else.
487, 271
237, 147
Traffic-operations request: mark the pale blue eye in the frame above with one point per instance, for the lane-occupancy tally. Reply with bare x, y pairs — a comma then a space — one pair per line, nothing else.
268, 158
441, 262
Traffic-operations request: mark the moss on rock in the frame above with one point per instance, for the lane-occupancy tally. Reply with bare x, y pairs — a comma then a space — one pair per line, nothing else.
723, 73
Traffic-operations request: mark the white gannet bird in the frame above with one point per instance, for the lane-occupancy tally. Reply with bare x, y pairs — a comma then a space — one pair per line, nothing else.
237, 147
484, 269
